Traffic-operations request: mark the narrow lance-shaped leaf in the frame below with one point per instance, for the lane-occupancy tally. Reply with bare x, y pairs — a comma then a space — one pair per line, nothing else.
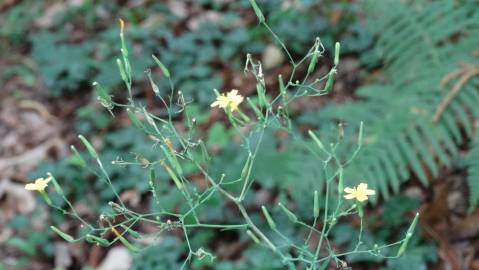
257, 11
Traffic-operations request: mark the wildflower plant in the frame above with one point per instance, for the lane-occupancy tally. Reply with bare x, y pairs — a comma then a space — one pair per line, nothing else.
183, 153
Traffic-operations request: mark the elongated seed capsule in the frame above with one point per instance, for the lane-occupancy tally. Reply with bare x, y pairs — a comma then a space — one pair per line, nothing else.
124, 241
253, 236
204, 150
58, 188
268, 218
163, 68
282, 91
89, 147
121, 68
116, 207
360, 136
316, 204
409, 233
132, 232
288, 213
340, 182
97, 240
316, 140
246, 168
103, 96
63, 235
127, 65
134, 119
154, 87
329, 83
155, 189
81, 161
314, 60
256, 110
172, 174
45, 197
336, 53
257, 11
261, 95
172, 159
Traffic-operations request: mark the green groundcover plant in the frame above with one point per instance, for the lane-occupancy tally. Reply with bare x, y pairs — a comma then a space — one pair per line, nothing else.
182, 153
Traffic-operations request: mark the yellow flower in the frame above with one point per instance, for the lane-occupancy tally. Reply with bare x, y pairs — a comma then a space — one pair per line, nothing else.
360, 193
39, 185
231, 100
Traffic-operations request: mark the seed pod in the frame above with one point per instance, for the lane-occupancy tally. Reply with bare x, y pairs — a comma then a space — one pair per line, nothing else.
172, 174
97, 240
316, 204
268, 218
81, 161
247, 167
63, 235
261, 95
253, 106
329, 83
316, 140
58, 188
252, 236
204, 150
163, 68
155, 189
257, 11
89, 147
134, 119
132, 232
290, 214
47, 199
409, 233
103, 96
154, 87
314, 60
121, 68
336, 53
172, 159
360, 136
124, 241
340, 182
282, 91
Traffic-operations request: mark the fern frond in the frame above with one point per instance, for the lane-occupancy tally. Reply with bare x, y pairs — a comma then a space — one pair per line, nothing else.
422, 44
472, 163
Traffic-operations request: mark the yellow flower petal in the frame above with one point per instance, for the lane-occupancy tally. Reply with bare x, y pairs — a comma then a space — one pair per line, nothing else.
362, 198
349, 190
349, 196
362, 187
360, 193
231, 100
30, 186
39, 185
